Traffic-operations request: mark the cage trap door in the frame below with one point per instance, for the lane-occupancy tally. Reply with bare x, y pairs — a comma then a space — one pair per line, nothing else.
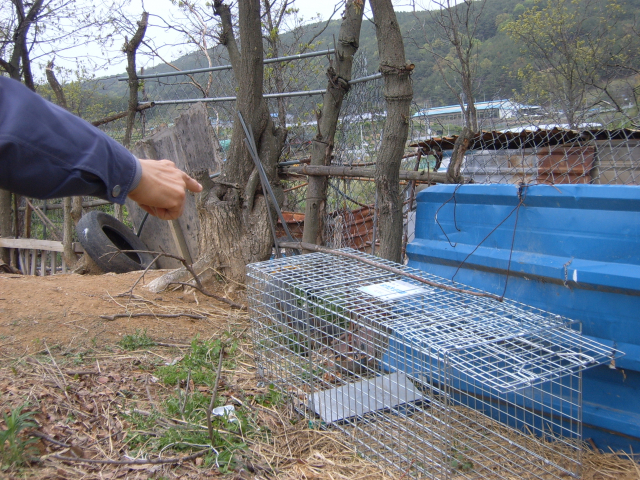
365, 396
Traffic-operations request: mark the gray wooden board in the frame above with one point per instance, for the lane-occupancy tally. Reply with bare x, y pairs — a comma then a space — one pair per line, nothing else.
364, 396
192, 145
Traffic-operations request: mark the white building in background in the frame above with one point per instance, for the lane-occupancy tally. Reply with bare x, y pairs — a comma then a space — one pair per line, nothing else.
494, 109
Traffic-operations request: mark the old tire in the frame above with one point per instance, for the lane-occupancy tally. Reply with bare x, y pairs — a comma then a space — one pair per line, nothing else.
101, 235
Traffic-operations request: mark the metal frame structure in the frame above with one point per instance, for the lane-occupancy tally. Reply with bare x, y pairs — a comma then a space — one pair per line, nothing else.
439, 383
219, 68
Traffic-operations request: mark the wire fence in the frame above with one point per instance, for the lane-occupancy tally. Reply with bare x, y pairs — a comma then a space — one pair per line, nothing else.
517, 144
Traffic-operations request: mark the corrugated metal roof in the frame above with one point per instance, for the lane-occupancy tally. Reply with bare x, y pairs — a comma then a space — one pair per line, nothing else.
528, 139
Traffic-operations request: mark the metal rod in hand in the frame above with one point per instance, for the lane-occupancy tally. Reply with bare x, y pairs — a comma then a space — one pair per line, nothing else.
253, 151
271, 225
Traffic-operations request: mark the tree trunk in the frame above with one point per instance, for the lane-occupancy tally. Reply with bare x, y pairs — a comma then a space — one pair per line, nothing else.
67, 234
398, 95
5, 222
19, 55
322, 146
68, 224
76, 209
457, 156
55, 86
130, 48
234, 229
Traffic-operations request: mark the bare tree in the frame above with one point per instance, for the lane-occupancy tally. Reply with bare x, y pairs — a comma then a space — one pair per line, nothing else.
339, 74
35, 30
454, 47
398, 94
15, 44
130, 48
31, 31
572, 55
18, 66
193, 21
233, 212
281, 15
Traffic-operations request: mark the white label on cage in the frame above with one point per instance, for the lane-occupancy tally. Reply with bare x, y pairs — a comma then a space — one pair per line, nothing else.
355, 399
393, 290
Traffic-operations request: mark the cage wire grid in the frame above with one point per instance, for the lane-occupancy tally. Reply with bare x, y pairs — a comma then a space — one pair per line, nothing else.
436, 383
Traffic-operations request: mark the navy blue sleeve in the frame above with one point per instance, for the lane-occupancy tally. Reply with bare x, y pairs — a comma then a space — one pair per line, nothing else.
47, 152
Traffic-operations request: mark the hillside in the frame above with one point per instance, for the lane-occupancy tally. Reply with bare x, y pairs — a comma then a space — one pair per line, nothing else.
499, 56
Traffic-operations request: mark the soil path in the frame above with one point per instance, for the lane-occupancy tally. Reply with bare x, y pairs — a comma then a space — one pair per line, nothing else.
65, 311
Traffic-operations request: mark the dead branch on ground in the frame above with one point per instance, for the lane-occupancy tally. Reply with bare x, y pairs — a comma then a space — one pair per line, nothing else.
157, 461
160, 315
198, 284
214, 395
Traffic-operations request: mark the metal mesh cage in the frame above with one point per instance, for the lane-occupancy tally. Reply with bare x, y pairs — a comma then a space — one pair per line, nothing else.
438, 383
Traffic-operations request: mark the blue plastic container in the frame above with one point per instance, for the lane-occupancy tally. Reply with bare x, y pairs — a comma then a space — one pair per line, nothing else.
569, 249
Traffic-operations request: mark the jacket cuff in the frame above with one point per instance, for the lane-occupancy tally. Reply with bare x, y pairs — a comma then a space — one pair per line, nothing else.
118, 193
137, 176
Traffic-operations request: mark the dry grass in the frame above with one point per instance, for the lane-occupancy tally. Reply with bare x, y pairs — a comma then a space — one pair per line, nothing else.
82, 401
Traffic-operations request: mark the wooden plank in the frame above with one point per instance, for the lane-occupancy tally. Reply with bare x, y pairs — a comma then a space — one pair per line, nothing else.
53, 262
359, 172
43, 263
180, 241
34, 259
31, 243
192, 144
21, 260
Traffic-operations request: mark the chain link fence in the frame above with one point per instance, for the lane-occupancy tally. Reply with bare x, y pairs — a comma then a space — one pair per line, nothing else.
517, 144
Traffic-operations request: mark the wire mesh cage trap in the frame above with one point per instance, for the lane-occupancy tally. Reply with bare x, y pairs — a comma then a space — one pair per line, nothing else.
439, 383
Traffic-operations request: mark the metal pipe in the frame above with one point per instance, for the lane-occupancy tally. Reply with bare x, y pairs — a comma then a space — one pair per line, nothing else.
228, 67
301, 93
375, 76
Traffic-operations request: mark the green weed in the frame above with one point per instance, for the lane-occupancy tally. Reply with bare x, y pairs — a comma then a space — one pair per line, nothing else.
136, 341
271, 398
13, 448
200, 361
459, 460
198, 365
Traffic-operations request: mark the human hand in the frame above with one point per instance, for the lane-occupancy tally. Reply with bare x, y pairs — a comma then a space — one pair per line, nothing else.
161, 190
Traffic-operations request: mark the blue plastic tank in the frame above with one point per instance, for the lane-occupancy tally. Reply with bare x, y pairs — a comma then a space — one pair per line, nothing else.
569, 249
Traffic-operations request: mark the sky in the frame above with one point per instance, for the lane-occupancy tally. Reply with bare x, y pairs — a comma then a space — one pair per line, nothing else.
308, 10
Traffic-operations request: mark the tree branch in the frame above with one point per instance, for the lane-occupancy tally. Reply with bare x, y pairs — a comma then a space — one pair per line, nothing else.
55, 86
117, 116
198, 284
158, 461
130, 48
159, 315
227, 38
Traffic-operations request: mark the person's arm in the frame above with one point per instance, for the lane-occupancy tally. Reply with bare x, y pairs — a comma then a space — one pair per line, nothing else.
47, 152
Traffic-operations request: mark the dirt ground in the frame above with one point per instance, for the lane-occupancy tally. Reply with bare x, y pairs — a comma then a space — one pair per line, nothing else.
52, 333
65, 310
61, 356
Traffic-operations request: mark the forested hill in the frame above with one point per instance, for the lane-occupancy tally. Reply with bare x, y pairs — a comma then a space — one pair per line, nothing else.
499, 56
496, 59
